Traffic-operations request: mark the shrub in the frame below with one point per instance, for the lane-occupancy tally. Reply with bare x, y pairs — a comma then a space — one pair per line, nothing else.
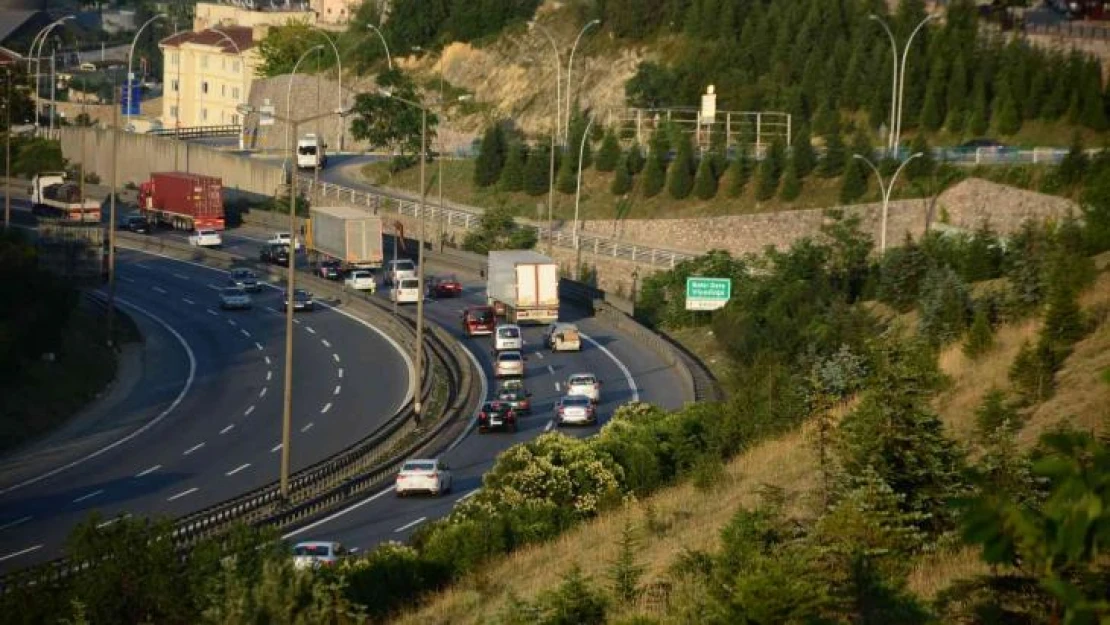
512, 174
945, 306
980, 339
389, 577
705, 181
995, 413
491, 156
901, 272
680, 176
770, 171
624, 572
1034, 369
655, 174
609, 155
622, 179
791, 182
738, 172
636, 160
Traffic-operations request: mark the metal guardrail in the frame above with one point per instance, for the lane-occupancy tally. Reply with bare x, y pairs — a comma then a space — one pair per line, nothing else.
198, 132
331, 482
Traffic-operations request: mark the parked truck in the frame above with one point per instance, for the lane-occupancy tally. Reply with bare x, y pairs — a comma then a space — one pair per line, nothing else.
349, 235
523, 286
52, 196
183, 201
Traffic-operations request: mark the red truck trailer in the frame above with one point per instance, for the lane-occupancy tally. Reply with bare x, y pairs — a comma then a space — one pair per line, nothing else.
182, 200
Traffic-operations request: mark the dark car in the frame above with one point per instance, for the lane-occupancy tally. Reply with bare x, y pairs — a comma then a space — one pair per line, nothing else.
981, 142
274, 254
244, 279
516, 398
448, 286
495, 414
302, 300
137, 224
330, 270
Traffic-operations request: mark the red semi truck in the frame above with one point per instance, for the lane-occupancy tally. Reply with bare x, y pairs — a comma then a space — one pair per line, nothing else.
183, 201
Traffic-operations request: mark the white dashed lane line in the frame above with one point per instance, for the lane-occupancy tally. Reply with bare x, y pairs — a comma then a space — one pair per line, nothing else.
182, 494
192, 449
335, 357
126, 279
551, 369
160, 290
539, 355
267, 360
214, 287
145, 472
326, 408
262, 393
325, 342
181, 276
408, 525
558, 388
11, 524
245, 333
231, 322
337, 389
228, 429
188, 301
340, 372
237, 469
275, 448
248, 411
212, 312
306, 428
88, 496
21, 552
310, 330
269, 374
260, 348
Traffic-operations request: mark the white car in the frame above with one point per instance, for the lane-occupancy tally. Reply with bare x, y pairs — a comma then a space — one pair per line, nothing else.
562, 337
585, 384
399, 269
234, 297
206, 238
314, 554
284, 238
575, 409
507, 337
423, 476
361, 280
406, 291
509, 365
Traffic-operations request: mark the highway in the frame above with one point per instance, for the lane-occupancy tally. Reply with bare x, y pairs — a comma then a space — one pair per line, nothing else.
627, 370
213, 426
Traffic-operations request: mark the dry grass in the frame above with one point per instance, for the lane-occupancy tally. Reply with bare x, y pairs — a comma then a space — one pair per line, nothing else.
936, 571
703, 343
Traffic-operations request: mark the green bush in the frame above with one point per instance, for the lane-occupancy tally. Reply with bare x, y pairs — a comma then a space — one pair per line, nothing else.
705, 181
622, 179
512, 174
945, 306
609, 154
901, 273
1033, 372
980, 338
389, 577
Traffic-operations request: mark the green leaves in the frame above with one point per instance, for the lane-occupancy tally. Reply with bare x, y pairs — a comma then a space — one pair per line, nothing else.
388, 122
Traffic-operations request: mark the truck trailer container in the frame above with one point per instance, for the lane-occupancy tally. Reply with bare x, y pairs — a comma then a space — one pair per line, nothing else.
183, 201
349, 235
52, 196
523, 286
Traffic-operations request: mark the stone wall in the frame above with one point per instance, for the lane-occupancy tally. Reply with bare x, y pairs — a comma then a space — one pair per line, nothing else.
966, 205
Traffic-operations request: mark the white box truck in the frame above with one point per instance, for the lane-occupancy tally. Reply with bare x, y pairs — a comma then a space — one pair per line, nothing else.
523, 286
311, 152
349, 235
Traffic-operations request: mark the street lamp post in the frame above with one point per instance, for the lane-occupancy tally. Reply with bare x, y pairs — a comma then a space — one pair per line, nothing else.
885, 190
242, 71
554, 135
577, 197
130, 59
339, 76
902, 80
40, 39
898, 80
570, 67
8, 154
388, 58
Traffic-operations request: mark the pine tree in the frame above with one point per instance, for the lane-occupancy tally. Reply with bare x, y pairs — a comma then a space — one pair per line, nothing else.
1073, 167
622, 178
978, 120
680, 177
636, 159
980, 339
625, 572
924, 165
537, 169
705, 183
791, 182
655, 174
854, 184
1093, 108
610, 152
738, 173
956, 103
1006, 117
566, 178
802, 154
512, 174
491, 156
770, 171
932, 111
835, 159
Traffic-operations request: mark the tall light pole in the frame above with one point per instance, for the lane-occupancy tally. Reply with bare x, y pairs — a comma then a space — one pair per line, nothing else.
577, 197
242, 68
570, 68
898, 80
130, 59
902, 80
418, 357
388, 58
112, 220
554, 135
8, 154
39, 40
339, 74
885, 189
893, 79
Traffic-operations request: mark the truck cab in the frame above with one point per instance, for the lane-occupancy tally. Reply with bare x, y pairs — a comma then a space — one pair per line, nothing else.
311, 152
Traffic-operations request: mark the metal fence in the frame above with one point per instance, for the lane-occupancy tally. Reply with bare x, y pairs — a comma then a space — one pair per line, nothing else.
198, 132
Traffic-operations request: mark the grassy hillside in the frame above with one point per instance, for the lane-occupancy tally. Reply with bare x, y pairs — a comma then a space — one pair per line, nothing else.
689, 517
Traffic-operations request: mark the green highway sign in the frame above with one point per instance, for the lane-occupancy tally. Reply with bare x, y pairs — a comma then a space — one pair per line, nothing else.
707, 293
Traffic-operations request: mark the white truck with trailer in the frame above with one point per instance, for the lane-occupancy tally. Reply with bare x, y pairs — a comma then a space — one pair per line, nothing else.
523, 286
52, 196
349, 235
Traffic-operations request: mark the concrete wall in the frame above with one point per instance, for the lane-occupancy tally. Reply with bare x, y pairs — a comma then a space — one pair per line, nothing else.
139, 155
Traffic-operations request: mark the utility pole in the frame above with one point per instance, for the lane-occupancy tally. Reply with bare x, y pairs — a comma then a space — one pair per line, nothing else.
112, 222
8, 156
418, 408
290, 283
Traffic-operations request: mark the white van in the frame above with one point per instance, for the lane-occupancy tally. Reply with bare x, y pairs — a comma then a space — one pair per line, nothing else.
311, 152
406, 291
507, 337
398, 270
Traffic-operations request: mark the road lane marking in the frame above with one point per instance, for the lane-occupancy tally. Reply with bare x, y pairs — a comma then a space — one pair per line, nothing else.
551, 369
467, 496
231, 322
89, 496
620, 365
11, 524
310, 330
212, 312
248, 411
269, 374
260, 348
273, 310
340, 372
267, 360
336, 515
214, 287
326, 408
262, 393
245, 333
105, 524
126, 279
337, 389
550, 425
153, 422
188, 301
275, 448
183, 494
336, 357
237, 469
539, 355
558, 388
228, 429
408, 525
297, 321
181, 276
160, 290
145, 472
306, 428
20, 553
192, 449
326, 343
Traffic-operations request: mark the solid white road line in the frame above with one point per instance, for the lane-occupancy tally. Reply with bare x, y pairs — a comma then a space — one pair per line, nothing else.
326, 408
105, 524
408, 525
262, 393
248, 411
275, 448
340, 372
188, 301
149, 424
192, 449
325, 342
267, 360
306, 428
20, 553
11, 524
228, 429
88, 496
310, 330
237, 469
148, 471
620, 365
182, 494
245, 333
337, 389
160, 290
467, 496
212, 312
336, 515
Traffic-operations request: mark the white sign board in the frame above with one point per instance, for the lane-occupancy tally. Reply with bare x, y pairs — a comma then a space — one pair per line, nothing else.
266, 115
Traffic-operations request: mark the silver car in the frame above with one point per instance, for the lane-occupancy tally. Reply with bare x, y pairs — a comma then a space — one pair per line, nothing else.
509, 364
575, 409
244, 279
423, 476
234, 297
314, 554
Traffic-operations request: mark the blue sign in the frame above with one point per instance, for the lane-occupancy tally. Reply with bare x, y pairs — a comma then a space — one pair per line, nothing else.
131, 99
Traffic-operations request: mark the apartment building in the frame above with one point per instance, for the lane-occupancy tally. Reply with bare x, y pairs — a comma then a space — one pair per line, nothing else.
207, 74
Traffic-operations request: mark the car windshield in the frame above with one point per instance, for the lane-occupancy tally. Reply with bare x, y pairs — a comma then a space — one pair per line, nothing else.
419, 465
494, 407
307, 150
576, 401
233, 292
312, 550
241, 274
508, 333
482, 316
509, 357
360, 274
404, 265
206, 233
509, 394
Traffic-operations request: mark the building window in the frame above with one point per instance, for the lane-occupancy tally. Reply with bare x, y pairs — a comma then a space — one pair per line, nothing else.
173, 112
204, 87
234, 119
174, 85
235, 66
204, 61
223, 91
235, 93
175, 58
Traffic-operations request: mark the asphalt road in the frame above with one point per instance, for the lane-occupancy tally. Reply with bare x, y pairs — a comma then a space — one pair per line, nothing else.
627, 370
220, 437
